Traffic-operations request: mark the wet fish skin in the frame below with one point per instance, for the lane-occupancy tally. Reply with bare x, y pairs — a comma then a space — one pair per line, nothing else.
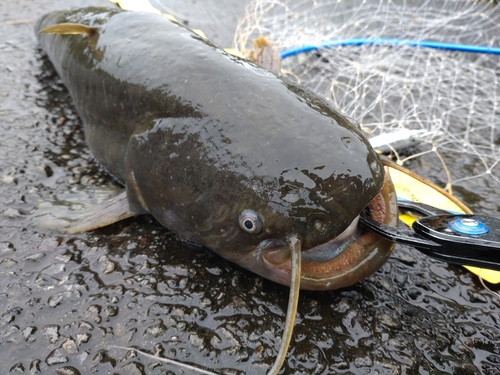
197, 135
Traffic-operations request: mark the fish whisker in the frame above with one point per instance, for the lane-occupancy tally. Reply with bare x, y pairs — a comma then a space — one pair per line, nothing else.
293, 300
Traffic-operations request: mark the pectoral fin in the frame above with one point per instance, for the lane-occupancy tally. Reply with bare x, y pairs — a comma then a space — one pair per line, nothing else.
69, 28
108, 212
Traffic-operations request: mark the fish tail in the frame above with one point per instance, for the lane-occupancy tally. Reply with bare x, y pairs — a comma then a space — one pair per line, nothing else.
69, 28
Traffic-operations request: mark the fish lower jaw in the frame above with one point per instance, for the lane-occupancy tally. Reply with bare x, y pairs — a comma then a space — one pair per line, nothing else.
280, 256
352, 256
323, 261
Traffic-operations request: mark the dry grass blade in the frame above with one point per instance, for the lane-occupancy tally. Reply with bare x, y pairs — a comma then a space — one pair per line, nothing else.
168, 361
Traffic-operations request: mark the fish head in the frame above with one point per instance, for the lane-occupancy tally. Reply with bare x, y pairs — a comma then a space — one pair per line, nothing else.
246, 206
336, 251
248, 218
243, 189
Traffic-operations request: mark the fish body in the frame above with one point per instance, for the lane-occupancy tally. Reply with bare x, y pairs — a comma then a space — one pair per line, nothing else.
224, 153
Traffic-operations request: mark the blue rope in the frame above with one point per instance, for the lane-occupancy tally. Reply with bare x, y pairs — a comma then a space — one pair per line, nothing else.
408, 42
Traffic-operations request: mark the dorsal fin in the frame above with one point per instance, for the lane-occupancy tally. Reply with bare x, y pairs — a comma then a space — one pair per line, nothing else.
69, 28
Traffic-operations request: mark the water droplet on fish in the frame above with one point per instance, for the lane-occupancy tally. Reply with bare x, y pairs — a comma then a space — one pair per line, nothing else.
319, 225
291, 197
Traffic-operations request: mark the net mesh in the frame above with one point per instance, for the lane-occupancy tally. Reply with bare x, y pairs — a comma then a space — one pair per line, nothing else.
452, 97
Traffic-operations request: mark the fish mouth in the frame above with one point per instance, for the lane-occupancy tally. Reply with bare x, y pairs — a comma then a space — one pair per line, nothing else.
343, 261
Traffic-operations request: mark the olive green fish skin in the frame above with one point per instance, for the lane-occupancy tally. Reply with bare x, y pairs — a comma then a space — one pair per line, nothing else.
198, 135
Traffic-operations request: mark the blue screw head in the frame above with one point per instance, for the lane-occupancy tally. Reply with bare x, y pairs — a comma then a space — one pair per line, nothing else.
469, 226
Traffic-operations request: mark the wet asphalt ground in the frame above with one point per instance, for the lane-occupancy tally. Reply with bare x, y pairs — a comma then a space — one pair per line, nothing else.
67, 300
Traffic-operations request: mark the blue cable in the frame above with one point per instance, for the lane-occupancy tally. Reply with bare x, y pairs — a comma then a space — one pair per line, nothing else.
374, 41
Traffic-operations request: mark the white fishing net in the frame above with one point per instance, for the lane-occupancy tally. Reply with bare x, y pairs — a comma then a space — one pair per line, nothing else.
450, 97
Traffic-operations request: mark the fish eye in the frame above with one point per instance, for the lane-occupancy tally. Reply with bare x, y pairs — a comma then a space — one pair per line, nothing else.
250, 222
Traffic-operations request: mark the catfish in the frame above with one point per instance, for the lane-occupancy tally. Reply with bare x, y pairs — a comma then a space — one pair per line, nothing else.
226, 154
